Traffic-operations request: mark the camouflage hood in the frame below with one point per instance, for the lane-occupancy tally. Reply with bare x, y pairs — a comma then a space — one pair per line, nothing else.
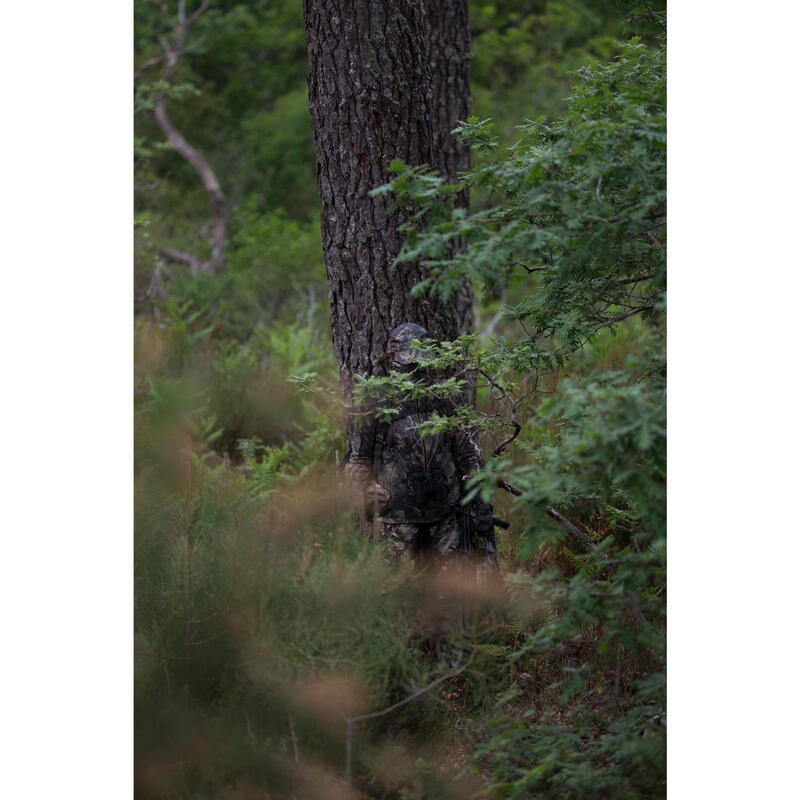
399, 347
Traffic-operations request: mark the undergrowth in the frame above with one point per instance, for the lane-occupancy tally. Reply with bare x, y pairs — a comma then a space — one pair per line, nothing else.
267, 623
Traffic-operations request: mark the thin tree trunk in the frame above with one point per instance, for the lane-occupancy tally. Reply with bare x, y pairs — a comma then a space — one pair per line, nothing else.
370, 102
196, 158
172, 52
448, 41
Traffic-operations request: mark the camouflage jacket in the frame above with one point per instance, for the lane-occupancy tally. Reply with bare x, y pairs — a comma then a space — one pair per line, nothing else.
422, 476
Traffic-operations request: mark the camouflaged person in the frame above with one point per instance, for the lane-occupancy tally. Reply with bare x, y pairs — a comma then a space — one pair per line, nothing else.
411, 486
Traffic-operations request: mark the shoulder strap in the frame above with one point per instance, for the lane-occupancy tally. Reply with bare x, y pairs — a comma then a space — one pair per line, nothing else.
346, 458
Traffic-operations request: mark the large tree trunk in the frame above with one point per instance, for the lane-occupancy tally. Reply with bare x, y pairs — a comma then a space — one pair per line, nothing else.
447, 29
369, 92
448, 40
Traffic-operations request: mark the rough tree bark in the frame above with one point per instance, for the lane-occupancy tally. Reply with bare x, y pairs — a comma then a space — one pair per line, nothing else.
447, 29
448, 41
370, 102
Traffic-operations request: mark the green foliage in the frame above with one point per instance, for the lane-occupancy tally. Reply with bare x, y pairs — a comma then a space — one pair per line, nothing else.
600, 450
258, 600
605, 461
274, 274
582, 209
606, 450
242, 600
186, 376
239, 94
586, 759
578, 225
524, 51
279, 147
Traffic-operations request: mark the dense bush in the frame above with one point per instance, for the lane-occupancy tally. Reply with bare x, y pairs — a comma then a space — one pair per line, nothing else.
579, 220
261, 615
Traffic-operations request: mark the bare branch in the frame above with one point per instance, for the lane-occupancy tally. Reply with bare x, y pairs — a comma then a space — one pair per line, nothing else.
151, 62
653, 239
351, 721
194, 156
513, 421
573, 529
507, 441
418, 693
294, 740
639, 278
487, 331
513, 405
620, 317
169, 53
502, 483
197, 264
531, 269
197, 13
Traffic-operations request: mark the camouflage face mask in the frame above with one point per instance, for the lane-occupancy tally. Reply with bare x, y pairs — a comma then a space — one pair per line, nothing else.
399, 348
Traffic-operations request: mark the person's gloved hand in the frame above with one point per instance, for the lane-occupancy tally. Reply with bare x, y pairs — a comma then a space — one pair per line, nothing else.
483, 522
377, 497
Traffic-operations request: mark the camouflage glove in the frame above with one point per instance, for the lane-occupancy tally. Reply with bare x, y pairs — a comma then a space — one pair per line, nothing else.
483, 518
360, 474
376, 497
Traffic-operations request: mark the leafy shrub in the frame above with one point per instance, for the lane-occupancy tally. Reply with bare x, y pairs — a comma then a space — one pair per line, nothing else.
249, 603
578, 220
262, 614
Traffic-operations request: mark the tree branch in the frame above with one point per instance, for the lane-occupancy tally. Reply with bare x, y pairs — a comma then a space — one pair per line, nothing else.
487, 331
198, 13
652, 238
531, 270
573, 529
351, 721
151, 62
513, 404
612, 320
418, 693
502, 483
294, 740
639, 279
195, 157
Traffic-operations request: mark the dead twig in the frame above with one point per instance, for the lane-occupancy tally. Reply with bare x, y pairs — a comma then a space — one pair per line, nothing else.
150, 62
531, 270
172, 52
572, 529
351, 721
293, 736
651, 236
513, 406
502, 483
